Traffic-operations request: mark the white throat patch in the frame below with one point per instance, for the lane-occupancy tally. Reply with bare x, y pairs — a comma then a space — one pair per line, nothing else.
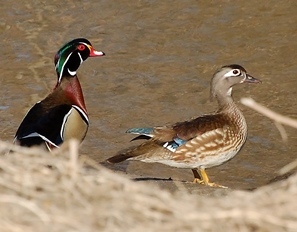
72, 73
229, 93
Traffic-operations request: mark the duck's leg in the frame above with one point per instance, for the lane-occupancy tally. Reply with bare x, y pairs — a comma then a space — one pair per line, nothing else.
197, 177
202, 178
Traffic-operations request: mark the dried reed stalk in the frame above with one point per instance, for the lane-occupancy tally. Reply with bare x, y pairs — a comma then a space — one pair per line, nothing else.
279, 121
41, 191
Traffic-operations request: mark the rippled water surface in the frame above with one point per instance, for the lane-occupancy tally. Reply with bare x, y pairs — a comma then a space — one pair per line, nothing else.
160, 58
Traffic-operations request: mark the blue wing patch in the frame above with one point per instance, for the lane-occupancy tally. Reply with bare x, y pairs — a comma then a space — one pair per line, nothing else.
148, 132
141, 131
173, 145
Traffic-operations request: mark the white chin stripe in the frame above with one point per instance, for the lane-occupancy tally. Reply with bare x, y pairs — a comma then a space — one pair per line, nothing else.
81, 60
72, 73
229, 91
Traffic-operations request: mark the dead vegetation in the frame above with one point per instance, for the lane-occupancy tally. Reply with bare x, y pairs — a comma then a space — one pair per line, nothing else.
56, 192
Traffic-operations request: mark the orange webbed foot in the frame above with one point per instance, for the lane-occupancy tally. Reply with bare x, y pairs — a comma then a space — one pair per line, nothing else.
201, 177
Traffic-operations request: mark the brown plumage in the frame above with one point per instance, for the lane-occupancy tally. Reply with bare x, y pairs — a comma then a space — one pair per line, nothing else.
203, 142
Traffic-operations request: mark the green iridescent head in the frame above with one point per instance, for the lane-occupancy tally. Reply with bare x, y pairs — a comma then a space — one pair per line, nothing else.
71, 55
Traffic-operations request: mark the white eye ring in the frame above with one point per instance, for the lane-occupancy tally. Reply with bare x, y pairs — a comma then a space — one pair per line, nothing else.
233, 73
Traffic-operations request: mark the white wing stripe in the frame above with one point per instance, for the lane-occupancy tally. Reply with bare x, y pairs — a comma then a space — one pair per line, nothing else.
63, 123
82, 112
35, 134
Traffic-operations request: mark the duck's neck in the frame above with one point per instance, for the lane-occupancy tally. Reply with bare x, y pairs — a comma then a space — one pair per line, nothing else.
228, 107
73, 91
225, 99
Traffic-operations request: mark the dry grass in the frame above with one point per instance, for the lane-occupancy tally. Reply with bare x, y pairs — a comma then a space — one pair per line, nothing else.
55, 192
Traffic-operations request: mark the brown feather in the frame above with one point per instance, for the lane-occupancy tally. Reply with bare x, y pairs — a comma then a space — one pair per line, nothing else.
151, 149
118, 158
190, 129
164, 133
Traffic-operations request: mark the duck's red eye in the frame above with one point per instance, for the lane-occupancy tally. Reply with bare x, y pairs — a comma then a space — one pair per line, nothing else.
81, 47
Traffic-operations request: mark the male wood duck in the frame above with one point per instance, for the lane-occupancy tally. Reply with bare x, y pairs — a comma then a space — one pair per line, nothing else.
207, 141
62, 114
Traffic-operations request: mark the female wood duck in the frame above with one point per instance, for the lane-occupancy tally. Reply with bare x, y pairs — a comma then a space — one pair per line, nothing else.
62, 114
204, 142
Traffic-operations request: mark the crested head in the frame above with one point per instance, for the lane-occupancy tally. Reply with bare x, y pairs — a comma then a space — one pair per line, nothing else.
228, 76
72, 55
